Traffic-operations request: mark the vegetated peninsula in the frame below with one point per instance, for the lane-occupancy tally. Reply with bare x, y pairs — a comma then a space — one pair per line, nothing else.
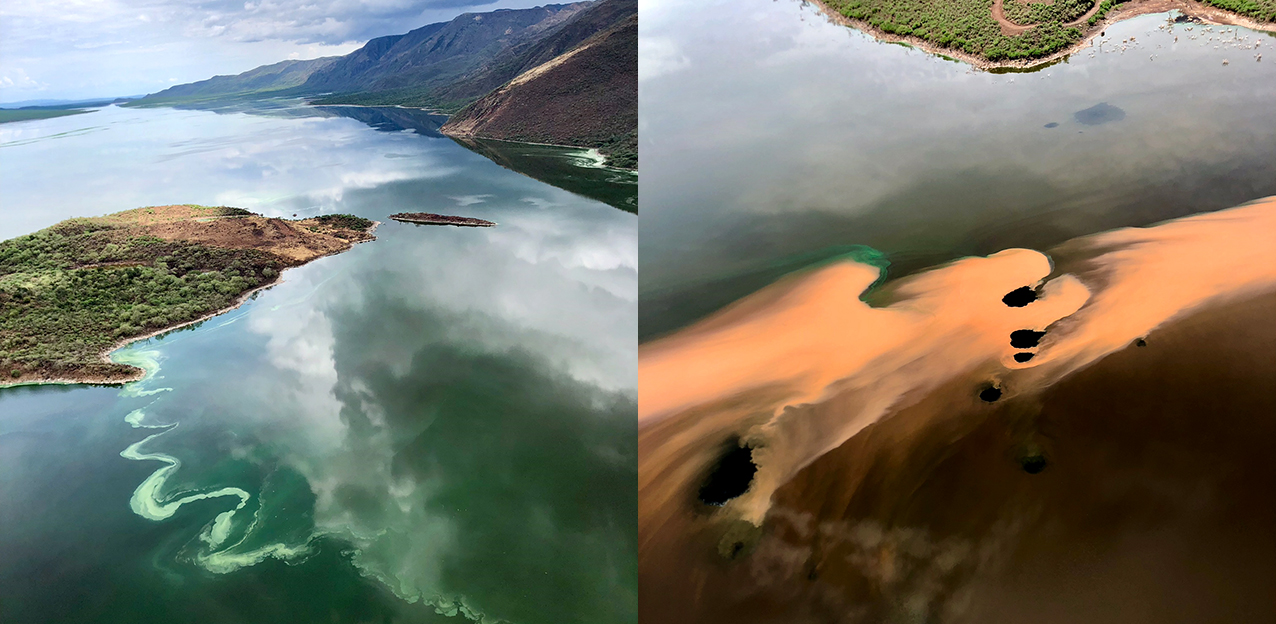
1021, 33
72, 293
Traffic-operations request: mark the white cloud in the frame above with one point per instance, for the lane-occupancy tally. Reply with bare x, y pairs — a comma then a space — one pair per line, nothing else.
658, 56
16, 77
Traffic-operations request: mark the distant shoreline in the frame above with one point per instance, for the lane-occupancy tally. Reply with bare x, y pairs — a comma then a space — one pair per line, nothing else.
1129, 10
15, 115
600, 159
432, 111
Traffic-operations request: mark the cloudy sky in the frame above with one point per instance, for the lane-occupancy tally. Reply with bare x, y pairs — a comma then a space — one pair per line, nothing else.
68, 49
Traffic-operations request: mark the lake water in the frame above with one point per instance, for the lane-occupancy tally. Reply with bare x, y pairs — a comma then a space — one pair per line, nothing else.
433, 425
773, 139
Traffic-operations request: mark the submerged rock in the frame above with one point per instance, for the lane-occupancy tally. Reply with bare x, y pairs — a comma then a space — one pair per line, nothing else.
730, 477
1033, 464
1098, 114
1022, 296
1025, 338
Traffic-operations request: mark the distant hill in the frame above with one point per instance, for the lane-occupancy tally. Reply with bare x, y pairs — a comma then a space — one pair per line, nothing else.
387, 70
267, 78
586, 96
437, 55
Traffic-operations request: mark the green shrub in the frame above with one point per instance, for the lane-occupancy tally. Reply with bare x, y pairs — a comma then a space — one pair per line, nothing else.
968, 26
345, 221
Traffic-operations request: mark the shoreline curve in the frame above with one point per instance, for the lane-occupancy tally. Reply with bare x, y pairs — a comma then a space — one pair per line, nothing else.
105, 355
1207, 14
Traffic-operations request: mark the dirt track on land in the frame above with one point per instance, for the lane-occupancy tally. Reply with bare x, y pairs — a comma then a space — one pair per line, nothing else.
1010, 28
1121, 12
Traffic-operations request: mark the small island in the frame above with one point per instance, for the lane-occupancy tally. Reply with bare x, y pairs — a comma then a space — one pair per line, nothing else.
992, 34
72, 293
428, 218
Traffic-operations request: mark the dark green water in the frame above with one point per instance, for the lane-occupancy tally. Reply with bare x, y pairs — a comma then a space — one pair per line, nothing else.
434, 425
578, 171
772, 138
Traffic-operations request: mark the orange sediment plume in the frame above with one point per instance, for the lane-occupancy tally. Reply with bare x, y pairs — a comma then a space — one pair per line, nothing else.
802, 366
1145, 277
811, 337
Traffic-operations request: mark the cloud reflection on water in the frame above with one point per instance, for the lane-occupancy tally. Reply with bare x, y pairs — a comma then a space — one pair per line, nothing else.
143, 157
785, 132
457, 404
479, 412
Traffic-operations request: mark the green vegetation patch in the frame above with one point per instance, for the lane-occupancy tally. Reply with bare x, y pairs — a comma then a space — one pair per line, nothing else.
1261, 10
346, 221
1107, 5
71, 291
621, 150
1060, 11
968, 26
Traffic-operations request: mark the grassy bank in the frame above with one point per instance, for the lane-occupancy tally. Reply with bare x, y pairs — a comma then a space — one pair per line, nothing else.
1260, 10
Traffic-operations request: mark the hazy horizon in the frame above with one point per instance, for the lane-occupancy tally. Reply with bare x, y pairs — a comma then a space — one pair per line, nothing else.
77, 50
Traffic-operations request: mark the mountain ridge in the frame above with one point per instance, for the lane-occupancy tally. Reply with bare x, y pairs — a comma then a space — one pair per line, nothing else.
587, 96
432, 56
437, 54
276, 76
563, 74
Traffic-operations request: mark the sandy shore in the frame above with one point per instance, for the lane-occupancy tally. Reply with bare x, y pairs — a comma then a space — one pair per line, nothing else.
105, 355
1134, 8
888, 488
